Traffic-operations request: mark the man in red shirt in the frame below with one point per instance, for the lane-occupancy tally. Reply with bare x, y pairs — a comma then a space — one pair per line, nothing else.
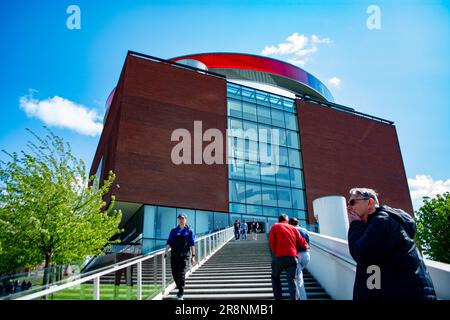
284, 242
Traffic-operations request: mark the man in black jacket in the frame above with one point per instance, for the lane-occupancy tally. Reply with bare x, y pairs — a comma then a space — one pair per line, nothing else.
381, 240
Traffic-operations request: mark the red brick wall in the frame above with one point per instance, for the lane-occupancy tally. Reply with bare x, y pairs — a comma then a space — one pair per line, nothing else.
158, 98
341, 151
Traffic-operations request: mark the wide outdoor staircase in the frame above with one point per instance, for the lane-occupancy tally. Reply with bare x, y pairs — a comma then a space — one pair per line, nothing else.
241, 270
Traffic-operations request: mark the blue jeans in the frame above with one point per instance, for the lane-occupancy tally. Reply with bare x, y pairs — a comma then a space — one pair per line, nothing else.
244, 235
303, 260
278, 264
236, 234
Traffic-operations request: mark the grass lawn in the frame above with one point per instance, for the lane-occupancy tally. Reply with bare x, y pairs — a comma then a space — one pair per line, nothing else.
107, 292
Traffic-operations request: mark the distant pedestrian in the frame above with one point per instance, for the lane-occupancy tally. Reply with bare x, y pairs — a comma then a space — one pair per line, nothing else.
23, 285
244, 228
181, 240
254, 229
303, 260
237, 229
285, 241
381, 240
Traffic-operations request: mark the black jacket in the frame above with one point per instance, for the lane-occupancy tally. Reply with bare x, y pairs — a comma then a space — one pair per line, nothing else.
387, 242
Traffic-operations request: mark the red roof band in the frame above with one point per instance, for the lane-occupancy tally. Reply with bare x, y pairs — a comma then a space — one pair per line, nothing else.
259, 64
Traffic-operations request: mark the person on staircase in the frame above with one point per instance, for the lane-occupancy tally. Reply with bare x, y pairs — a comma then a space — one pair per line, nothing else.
303, 260
237, 229
244, 229
285, 241
254, 229
181, 240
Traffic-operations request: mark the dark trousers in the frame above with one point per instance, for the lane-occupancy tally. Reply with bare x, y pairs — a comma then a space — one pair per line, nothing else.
178, 265
236, 234
278, 265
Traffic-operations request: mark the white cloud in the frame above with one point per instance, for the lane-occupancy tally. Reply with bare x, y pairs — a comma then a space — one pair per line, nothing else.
63, 113
298, 63
423, 185
334, 82
296, 45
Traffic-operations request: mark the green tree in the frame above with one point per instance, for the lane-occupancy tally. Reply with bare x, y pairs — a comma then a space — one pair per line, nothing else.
50, 212
433, 227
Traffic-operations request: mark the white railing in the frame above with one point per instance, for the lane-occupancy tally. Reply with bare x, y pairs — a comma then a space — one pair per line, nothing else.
334, 268
206, 246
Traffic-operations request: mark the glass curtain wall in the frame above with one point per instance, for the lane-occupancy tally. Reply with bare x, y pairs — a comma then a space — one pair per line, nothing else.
264, 157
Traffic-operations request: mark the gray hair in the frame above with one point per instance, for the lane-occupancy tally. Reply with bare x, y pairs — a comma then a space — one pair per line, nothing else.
365, 193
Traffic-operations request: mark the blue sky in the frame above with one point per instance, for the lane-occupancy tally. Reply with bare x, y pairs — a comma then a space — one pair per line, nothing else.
399, 72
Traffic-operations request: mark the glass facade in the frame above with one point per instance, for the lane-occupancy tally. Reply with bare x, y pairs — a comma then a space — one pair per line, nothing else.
264, 156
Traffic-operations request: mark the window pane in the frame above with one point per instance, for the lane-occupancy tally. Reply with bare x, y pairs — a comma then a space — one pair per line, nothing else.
277, 118
300, 214
298, 199
252, 172
235, 108
284, 197
220, 220
249, 111
282, 156
237, 191
294, 158
268, 174
289, 105
276, 101
265, 133
270, 211
149, 222
204, 221
250, 131
262, 98
264, 115
292, 139
251, 151
291, 121
296, 176
233, 91
269, 195
248, 94
253, 193
281, 137
166, 220
255, 210
236, 169
236, 207
283, 177
235, 148
234, 124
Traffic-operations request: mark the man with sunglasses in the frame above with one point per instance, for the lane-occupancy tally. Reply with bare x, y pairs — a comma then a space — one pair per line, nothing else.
381, 240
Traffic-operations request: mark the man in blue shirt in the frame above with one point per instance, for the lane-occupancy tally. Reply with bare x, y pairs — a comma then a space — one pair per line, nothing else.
181, 240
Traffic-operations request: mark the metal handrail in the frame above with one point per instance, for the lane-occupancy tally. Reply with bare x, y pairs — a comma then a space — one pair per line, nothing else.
220, 238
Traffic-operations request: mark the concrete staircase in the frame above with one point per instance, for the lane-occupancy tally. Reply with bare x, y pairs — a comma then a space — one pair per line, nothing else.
241, 270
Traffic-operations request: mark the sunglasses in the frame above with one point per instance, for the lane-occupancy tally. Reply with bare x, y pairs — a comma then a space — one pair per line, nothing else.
353, 201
